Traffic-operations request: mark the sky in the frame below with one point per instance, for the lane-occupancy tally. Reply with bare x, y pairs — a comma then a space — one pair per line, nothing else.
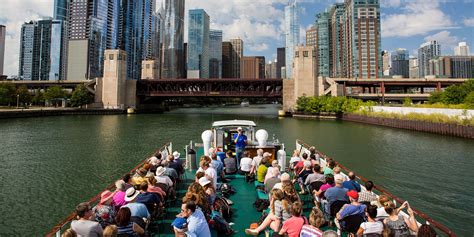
260, 23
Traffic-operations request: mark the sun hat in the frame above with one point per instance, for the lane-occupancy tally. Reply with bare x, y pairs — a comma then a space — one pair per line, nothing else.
160, 171
105, 196
353, 194
154, 160
141, 172
131, 194
203, 181
176, 155
239, 129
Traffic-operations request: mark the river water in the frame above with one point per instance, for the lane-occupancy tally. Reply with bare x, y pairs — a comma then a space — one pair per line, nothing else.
50, 164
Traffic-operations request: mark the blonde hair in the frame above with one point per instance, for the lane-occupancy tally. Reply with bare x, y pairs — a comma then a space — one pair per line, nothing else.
277, 195
69, 233
316, 217
110, 231
337, 170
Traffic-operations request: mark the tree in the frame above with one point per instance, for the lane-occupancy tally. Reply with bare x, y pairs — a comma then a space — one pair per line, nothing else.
455, 94
7, 93
81, 96
469, 101
407, 101
24, 95
436, 97
38, 98
54, 93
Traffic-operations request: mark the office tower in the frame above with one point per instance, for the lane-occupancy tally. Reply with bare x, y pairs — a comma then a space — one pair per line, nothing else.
386, 63
338, 56
427, 51
400, 63
292, 34
253, 67
462, 49
215, 53
227, 71
363, 39
324, 44
60, 10
87, 32
173, 60
41, 50
312, 36
271, 69
198, 44
281, 62
237, 54
2, 48
414, 70
452, 67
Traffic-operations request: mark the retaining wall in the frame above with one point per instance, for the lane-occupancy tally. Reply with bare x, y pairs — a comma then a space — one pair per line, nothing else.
56, 112
420, 126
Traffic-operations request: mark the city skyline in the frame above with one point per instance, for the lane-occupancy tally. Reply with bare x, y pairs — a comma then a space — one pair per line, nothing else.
263, 31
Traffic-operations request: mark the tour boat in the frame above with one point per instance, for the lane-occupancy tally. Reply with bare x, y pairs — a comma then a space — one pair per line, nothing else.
245, 103
220, 137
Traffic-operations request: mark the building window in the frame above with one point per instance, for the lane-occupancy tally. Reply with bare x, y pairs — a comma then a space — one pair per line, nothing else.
305, 54
111, 57
297, 54
148, 66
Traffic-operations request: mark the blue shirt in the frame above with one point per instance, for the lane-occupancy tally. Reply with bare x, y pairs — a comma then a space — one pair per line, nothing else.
197, 225
218, 165
241, 141
351, 185
138, 209
351, 210
336, 194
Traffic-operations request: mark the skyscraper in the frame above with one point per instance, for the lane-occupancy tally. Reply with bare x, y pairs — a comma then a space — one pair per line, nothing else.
414, 71
338, 54
198, 44
462, 49
292, 34
312, 36
41, 50
237, 54
281, 61
363, 39
227, 71
253, 67
324, 44
2, 47
60, 10
173, 42
427, 51
215, 53
385, 63
400, 63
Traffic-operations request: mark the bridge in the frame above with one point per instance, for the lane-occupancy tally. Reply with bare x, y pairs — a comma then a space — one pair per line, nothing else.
241, 88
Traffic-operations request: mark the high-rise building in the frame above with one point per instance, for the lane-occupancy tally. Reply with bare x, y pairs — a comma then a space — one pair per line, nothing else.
292, 34
452, 66
363, 38
227, 71
173, 65
338, 54
386, 63
271, 69
324, 44
198, 44
60, 10
253, 67
237, 54
305, 72
426, 52
2, 48
414, 70
462, 49
42, 50
400, 63
215, 53
312, 36
281, 62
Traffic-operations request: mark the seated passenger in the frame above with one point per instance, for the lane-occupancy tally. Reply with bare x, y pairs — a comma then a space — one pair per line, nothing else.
245, 163
128, 181
351, 184
269, 170
119, 194
329, 167
111, 231
196, 222
316, 220
162, 178
295, 158
284, 180
176, 163
124, 224
425, 230
336, 193
83, 226
292, 227
139, 212
210, 172
316, 176
139, 176
151, 200
197, 194
262, 170
367, 196
352, 209
170, 172
279, 212
218, 166
398, 224
303, 175
329, 184
104, 211
381, 213
208, 189
256, 161
230, 163
155, 189
271, 182
300, 165
371, 226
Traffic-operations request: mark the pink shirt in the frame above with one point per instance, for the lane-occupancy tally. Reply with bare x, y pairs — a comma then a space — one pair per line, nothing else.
119, 198
293, 226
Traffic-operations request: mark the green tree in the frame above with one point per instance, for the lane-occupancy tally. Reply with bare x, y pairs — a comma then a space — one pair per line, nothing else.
81, 96
54, 93
469, 101
436, 97
24, 95
38, 98
7, 94
455, 94
407, 102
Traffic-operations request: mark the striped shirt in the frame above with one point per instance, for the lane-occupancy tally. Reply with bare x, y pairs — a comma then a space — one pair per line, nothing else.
310, 231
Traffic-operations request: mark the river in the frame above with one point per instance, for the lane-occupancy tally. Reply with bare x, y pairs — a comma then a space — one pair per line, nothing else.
50, 164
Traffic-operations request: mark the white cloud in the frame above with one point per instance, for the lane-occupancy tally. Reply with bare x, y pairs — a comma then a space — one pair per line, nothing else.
446, 40
419, 17
469, 22
13, 14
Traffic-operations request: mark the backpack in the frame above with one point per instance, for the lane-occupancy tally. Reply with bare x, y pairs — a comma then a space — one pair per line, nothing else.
219, 224
221, 205
261, 204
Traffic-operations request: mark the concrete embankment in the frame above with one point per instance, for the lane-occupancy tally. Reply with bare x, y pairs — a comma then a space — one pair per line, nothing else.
26, 113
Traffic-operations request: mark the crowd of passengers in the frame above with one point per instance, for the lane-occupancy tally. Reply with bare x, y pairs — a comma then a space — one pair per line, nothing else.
336, 200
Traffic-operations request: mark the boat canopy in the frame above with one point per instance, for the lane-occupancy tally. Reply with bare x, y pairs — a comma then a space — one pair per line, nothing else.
236, 123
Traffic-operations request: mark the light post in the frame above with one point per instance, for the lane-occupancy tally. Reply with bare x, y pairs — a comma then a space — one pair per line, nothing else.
18, 101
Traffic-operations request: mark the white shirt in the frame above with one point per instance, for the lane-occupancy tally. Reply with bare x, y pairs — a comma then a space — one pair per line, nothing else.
294, 159
256, 161
164, 180
211, 172
246, 164
372, 227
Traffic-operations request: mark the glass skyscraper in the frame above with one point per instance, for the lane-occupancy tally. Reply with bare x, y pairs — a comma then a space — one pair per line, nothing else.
60, 10
215, 53
173, 40
42, 52
426, 52
198, 44
400, 63
324, 44
292, 33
